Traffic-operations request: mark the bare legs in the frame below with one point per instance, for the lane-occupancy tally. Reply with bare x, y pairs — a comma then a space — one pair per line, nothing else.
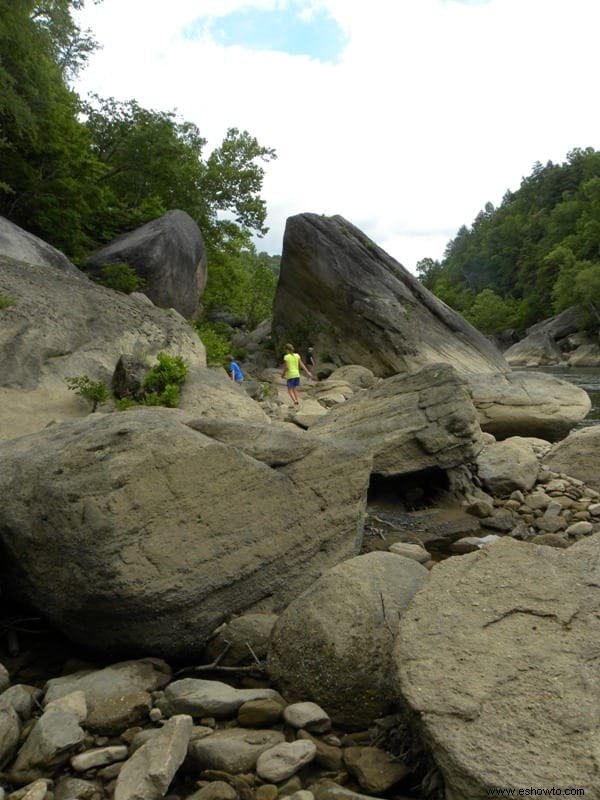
293, 394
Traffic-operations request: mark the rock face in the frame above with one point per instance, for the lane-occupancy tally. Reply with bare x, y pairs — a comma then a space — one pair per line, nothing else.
18, 245
169, 254
578, 455
497, 657
333, 644
558, 340
61, 327
342, 293
411, 422
527, 404
154, 533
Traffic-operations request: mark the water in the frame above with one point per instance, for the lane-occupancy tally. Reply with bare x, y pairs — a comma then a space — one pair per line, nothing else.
588, 379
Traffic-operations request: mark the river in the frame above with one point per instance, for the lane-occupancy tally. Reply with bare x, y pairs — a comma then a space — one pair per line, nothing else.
587, 378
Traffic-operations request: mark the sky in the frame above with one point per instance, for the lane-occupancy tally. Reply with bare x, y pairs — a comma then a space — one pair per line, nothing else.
404, 116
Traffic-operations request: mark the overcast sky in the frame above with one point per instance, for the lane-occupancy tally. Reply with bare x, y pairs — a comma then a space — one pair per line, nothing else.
404, 116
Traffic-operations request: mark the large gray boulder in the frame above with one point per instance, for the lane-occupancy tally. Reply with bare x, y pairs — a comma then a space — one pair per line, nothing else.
154, 534
17, 244
63, 327
525, 403
168, 253
411, 422
340, 292
497, 660
333, 644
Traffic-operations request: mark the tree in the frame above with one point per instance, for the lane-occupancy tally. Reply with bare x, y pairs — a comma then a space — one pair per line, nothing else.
152, 162
531, 250
47, 168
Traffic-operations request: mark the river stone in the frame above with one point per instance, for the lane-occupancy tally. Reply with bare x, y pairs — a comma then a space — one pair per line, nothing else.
10, 732
204, 698
148, 773
117, 696
54, 738
131, 515
497, 658
235, 750
284, 760
332, 645
307, 715
375, 770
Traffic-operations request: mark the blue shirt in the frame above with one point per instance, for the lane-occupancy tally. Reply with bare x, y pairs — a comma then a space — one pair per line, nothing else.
234, 368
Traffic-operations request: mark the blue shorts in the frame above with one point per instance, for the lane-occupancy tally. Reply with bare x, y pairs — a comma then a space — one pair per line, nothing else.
293, 382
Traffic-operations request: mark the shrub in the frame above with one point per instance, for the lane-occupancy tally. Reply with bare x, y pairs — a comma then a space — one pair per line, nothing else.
163, 383
121, 277
216, 343
6, 301
95, 391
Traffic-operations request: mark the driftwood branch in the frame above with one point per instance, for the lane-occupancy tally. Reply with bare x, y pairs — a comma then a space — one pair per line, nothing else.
257, 668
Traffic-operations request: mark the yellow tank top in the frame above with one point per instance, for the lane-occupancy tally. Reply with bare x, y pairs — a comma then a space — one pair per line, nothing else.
292, 361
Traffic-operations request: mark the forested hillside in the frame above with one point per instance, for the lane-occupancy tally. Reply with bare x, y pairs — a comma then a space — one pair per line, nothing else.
79, 171
533, 256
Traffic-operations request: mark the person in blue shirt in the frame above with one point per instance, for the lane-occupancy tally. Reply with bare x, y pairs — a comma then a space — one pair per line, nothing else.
235, 373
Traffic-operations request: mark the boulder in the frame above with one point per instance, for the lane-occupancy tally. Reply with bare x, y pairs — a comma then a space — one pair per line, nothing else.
507, 466
155, 533
412, 422
65, 327
537, 349
61, 327
168, 253
345, 295
578, 455
528, 404
332, 645
496, 658
21, 246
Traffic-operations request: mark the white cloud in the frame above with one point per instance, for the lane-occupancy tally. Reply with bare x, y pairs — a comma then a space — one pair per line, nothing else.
435, 108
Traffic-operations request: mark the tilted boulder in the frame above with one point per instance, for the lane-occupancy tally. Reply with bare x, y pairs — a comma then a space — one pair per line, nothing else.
411, 422
17, 244
154, 533
496, 658
527, 404
342, 293
168, 253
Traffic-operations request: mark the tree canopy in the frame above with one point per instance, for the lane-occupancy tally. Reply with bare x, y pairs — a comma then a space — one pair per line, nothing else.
533, 256
79, 172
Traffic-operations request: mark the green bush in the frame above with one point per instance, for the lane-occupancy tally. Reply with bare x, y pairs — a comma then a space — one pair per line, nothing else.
121, 277
216, 343
95, 391
163, 383
6, 301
